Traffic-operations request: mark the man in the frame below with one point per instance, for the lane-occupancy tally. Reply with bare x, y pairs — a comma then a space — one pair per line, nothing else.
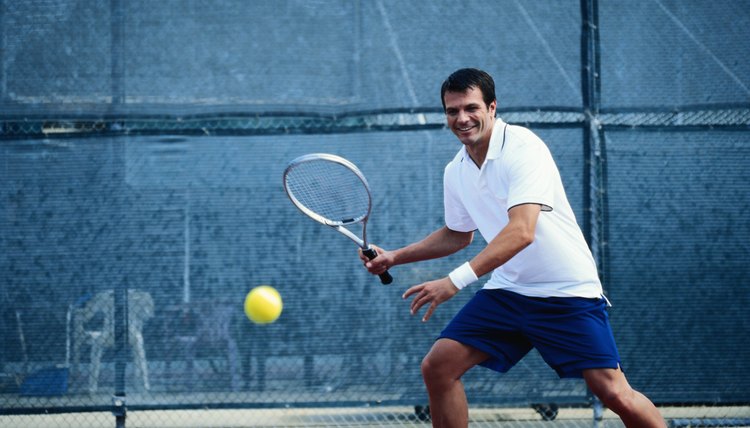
544, 291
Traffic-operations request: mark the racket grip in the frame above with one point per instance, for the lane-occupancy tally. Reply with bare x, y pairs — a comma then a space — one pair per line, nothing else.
385, 277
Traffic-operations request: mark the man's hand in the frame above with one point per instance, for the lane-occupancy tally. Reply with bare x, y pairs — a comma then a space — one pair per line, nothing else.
379, 264
432, 292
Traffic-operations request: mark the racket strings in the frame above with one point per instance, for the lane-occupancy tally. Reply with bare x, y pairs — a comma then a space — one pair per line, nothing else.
330, 190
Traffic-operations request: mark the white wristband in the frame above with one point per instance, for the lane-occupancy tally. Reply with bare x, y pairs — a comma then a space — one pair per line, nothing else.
463, 276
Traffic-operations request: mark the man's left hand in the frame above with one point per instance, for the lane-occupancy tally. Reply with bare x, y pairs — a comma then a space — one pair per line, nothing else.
433, 293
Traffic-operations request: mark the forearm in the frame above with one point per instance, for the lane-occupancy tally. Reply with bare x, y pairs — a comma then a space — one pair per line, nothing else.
509, 242
513, 238
440, 243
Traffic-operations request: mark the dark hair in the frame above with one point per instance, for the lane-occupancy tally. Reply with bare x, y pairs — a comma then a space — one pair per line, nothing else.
465, 78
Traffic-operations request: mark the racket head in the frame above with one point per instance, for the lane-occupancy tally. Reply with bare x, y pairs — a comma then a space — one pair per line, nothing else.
328, 188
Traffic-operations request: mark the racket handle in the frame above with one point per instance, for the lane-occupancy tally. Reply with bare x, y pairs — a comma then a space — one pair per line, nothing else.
385, 277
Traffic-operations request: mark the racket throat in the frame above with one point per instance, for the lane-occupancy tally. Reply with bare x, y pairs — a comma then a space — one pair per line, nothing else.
362, 244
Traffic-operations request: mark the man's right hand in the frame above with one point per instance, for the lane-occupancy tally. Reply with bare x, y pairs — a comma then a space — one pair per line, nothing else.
379, 264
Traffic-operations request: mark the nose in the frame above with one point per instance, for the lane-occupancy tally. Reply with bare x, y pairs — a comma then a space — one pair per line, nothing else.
461, 116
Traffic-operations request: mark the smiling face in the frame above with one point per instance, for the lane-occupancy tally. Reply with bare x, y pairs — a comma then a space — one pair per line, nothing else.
471, 120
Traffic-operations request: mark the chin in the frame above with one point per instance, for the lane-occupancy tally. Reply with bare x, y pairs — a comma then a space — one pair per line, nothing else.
466, 139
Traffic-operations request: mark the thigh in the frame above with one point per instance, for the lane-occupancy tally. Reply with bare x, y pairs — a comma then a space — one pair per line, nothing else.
573, 335
452, 358
491, 322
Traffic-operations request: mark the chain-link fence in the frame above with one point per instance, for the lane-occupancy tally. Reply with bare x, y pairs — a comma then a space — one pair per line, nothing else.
142, 149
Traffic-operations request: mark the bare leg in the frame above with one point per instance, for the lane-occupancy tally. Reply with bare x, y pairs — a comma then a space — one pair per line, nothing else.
615, 392
442, 369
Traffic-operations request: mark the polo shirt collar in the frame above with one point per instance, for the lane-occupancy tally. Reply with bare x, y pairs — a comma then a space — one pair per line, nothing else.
497, 139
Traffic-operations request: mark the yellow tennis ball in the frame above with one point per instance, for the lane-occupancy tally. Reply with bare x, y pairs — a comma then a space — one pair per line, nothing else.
263, 304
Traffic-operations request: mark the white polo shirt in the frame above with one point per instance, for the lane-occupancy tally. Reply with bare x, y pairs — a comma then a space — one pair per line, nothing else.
519, 169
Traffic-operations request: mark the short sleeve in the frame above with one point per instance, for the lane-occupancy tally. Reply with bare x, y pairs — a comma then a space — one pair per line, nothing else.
456, 216
532, 175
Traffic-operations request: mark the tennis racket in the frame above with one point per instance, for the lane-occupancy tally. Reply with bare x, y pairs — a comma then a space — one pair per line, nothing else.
331, 190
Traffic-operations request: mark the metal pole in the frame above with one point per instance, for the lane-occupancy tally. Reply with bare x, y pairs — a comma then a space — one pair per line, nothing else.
595, 204
117, 52
119, 409
591, 99
117, 75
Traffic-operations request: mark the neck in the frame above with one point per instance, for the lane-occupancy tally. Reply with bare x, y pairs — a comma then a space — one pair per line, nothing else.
478, 151
477, 154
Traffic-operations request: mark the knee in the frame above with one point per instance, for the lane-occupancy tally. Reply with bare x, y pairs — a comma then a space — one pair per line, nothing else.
617, 399
614, 393
447, 361
428, 367
434, 370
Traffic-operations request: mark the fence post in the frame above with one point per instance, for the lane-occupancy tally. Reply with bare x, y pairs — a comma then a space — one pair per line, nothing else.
121, 352
119, 409
594, 176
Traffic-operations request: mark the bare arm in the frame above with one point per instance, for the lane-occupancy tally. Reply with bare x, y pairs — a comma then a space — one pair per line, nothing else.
440, 243
515, 236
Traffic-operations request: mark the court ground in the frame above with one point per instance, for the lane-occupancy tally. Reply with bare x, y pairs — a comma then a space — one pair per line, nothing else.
390, 416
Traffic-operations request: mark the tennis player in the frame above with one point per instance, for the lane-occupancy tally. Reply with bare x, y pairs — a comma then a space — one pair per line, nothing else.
543, 291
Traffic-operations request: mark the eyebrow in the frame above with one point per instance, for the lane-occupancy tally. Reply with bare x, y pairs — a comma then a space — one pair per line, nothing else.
466, 106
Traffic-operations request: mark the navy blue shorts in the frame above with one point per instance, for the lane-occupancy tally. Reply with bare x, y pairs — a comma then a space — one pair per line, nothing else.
571, 333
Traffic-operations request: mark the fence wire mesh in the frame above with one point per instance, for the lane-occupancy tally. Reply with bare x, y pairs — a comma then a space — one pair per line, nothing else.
142, 146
